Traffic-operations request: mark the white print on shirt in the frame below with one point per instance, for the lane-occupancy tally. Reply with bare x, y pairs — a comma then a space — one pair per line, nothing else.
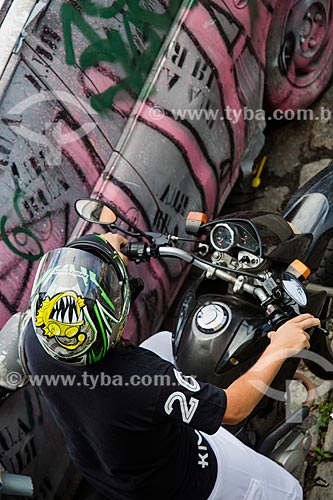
187, 381
201, 447
187, 409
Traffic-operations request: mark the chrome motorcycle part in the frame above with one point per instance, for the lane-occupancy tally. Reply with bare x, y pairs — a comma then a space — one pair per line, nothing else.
291, 452
248, 260
93, 210
222, 237
211, 319
224, 259
238, 286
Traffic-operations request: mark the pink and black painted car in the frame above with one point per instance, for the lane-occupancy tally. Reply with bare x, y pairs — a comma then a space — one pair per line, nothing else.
156, 105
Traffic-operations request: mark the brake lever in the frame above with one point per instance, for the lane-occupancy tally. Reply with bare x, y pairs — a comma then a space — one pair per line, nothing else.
318, 330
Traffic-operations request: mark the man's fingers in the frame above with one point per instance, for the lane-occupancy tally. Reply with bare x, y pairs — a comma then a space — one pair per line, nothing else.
119, 239
116, 240
306, 335
123, 241
301, 317
309, 323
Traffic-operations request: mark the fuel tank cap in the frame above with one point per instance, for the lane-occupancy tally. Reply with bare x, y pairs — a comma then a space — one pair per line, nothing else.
211, 318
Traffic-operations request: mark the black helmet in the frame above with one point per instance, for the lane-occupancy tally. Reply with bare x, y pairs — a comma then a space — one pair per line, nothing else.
80, 300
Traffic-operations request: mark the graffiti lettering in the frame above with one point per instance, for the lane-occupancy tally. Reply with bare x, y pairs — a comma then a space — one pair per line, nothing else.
207, 105
10, 440
179, 55
176, 56
4, 443
203, 73
23, 457
161, 221
50, 37
172, 78
23, 236
201, 79
116, 47
25, 233
176, 199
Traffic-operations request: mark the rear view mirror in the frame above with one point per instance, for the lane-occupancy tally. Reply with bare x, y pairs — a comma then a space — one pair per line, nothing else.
100, 212
95, 211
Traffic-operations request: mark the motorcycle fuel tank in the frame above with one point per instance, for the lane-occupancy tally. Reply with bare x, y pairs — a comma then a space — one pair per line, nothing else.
221, 337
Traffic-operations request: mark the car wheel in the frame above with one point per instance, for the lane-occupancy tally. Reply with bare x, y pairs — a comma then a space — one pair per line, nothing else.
299, 53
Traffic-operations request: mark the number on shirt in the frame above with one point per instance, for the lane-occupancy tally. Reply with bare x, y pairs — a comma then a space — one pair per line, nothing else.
187, 409
187, 381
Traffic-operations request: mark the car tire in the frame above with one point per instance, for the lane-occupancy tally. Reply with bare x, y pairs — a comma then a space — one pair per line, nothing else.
299, 53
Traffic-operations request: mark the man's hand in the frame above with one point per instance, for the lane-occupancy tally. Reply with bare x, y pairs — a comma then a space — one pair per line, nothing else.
117, 242
291, 337
244, 394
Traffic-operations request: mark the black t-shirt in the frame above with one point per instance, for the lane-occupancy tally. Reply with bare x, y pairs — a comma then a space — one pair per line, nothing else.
131, 422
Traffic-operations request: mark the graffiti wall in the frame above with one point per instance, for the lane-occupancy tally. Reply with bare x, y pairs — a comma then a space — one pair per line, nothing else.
101, 102
60, 123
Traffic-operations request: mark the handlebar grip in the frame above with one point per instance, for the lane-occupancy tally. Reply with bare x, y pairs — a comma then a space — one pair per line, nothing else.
136, 251
277, 317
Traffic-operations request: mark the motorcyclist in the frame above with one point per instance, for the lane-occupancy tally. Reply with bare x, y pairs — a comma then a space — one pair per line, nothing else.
135, 426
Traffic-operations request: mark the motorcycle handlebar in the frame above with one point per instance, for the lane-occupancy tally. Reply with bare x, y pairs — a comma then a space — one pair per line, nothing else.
206, 266
141, 252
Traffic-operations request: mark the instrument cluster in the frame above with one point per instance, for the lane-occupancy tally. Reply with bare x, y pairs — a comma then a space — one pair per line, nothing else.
228, 235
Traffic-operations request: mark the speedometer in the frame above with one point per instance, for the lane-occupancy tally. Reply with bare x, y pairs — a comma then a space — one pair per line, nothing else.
222, 237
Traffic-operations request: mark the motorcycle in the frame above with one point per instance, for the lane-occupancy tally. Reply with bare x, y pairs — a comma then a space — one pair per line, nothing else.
256, 274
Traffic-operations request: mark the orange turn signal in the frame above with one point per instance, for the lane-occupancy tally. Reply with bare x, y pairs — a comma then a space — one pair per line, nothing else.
299, 270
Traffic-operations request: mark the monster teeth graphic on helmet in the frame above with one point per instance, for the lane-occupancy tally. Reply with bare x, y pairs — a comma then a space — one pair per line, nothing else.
65, 310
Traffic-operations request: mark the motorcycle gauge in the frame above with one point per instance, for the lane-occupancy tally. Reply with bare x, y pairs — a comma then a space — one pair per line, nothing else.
294, 289
222, 237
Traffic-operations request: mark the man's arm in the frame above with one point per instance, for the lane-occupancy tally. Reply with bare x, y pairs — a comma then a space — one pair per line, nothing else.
245, 393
